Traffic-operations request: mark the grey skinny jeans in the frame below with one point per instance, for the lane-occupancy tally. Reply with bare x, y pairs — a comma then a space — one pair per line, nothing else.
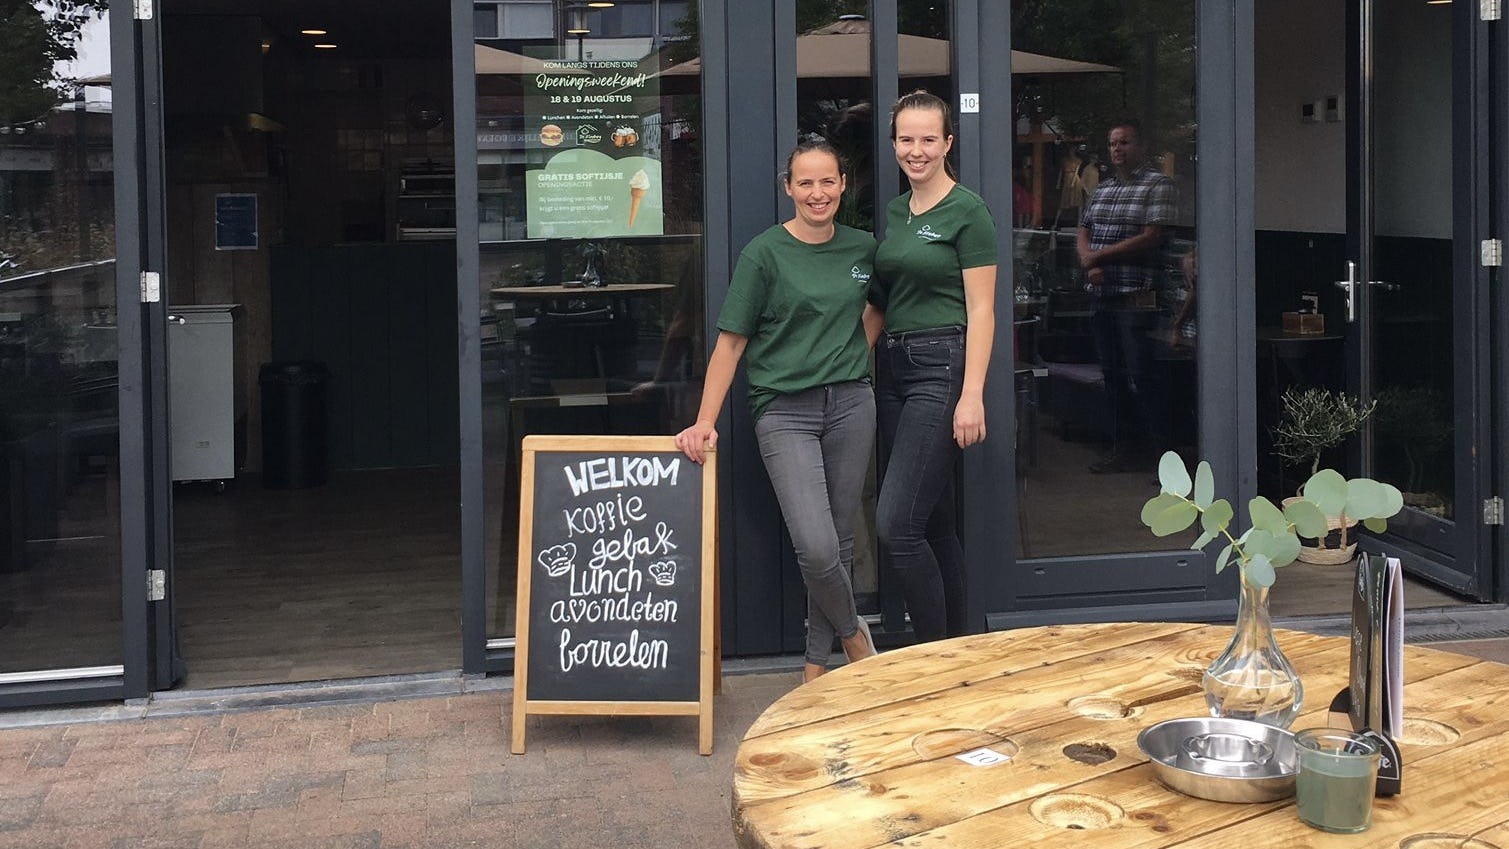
817, 444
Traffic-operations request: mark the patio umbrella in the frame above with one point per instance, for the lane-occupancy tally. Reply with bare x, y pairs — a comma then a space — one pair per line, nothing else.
842, 50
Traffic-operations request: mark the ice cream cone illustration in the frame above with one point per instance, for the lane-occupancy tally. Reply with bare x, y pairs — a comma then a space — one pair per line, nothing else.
639, 184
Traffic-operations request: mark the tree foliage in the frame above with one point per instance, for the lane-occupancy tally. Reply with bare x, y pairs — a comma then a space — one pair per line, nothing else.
34, 38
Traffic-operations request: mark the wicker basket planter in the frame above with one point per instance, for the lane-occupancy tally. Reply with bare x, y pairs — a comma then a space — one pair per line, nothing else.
1338, 546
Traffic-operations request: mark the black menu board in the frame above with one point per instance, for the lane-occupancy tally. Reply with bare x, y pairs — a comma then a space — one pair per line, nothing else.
615, 579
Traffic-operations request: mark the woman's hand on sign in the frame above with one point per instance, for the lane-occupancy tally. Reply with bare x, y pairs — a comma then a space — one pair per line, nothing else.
697, 440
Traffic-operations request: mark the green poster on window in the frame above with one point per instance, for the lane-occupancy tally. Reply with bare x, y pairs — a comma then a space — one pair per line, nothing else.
593, 131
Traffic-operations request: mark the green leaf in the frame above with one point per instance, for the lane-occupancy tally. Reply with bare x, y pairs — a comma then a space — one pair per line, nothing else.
1284, 550
1217, 516
1172, 475
1266, 516
1205, 485
1375, 524
1157, 504
1393, 501
1202, 541
1256, 541
1365, 498
1307, 518
1224, 559
1328, 490
1175, 519
1259, 572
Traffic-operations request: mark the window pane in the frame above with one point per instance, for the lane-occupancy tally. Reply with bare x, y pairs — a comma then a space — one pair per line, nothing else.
60, 594
591, 253
485, 20
1106, 348
528, 20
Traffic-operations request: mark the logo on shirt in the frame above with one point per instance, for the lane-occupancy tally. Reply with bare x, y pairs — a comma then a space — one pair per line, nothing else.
926, 233
859, 274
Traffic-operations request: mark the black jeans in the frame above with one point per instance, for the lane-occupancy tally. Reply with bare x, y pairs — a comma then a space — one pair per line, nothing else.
921, 376
1121, 343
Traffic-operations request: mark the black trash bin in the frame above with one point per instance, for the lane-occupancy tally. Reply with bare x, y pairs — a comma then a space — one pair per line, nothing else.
294, 453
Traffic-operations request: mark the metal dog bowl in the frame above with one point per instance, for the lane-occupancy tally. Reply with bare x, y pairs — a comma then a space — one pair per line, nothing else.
1224, 760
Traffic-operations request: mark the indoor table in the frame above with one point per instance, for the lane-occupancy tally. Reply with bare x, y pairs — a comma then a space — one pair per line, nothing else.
868, 755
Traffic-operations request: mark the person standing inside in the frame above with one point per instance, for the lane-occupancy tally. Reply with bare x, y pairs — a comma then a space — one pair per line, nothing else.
794, 307
1120, 245
934, 298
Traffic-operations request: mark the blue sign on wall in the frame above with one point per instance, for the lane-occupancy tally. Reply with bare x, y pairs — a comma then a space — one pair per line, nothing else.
236, 222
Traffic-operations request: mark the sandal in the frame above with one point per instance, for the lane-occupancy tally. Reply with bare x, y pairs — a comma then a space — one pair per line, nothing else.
864, 628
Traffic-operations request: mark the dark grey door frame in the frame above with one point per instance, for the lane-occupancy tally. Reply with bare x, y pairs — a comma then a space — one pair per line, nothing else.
132, 680
1463, 560
1498, 100
1169, 584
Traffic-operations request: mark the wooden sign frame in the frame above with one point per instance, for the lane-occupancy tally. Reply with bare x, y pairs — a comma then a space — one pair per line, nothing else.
708, 664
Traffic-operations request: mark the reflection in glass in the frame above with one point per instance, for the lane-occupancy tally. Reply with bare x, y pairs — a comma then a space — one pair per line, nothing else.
1413, 182
591, 251
60, 597
1105, 344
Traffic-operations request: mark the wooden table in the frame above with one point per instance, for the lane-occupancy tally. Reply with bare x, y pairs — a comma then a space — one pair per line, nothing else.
865, 756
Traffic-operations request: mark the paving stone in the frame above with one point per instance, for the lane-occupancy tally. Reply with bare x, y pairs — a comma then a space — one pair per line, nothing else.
50, 754
426, 773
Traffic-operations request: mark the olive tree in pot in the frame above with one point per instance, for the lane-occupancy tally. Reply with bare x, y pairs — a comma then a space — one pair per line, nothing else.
1311, 422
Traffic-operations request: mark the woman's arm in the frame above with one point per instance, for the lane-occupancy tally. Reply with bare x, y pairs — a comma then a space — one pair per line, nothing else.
873, 319
702, 436
979, 335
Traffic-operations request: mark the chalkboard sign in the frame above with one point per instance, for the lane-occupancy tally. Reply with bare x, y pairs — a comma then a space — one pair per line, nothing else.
616, 594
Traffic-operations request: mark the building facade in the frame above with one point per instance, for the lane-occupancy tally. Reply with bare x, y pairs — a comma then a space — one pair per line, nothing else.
281, 291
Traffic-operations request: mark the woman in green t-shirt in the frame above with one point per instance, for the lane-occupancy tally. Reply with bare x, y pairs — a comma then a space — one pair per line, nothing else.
794, 306
934, 292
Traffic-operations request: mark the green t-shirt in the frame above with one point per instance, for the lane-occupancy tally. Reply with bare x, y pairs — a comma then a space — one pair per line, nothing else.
800, 307
919, 268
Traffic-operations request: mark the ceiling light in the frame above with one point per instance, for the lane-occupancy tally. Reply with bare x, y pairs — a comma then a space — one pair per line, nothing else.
578, 24
325, 46
608, 4
314, 32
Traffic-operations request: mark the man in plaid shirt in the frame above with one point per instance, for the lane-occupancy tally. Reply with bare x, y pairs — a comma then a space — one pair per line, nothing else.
1120, 242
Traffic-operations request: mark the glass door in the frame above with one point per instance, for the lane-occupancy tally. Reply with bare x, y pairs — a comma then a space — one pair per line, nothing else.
70, 629
1411, 278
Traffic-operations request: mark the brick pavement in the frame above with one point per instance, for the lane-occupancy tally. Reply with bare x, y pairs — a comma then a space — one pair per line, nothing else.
430, 772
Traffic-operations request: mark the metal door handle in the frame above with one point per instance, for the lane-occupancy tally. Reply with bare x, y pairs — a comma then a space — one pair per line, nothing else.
178, 319
1349, 286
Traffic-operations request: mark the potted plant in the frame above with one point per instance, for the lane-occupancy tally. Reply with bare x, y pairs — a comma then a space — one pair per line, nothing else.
1312, 421
1252, 679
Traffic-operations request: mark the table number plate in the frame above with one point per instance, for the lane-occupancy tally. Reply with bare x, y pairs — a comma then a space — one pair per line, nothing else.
983, 757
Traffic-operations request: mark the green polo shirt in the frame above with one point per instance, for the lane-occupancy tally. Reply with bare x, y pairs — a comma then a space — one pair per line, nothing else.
919, 268
800, 307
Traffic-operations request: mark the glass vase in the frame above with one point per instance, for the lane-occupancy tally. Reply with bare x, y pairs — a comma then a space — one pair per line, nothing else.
1252, 679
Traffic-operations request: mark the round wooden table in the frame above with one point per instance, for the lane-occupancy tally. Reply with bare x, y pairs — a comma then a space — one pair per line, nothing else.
866, 756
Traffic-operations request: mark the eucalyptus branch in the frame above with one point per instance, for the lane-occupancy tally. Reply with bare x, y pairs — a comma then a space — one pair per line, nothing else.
1272, 537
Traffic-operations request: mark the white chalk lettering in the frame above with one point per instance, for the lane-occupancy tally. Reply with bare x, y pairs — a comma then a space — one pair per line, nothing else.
621, 609
631, 547
620, 472
604, 516
597, 581
633, 653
